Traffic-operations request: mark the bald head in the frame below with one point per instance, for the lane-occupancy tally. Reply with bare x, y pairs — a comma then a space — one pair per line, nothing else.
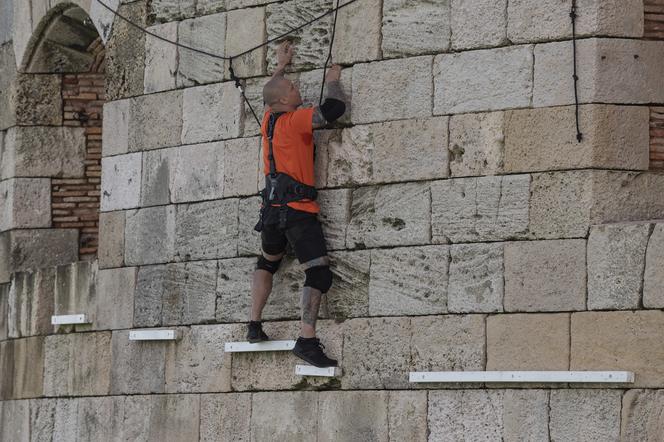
276, 89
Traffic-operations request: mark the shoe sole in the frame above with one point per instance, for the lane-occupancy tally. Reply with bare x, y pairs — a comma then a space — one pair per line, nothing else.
255, 341
305, 359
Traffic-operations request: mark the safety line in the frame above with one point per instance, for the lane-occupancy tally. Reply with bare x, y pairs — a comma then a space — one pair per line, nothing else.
572, 14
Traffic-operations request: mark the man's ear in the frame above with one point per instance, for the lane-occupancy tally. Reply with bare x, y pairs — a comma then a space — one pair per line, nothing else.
283, 100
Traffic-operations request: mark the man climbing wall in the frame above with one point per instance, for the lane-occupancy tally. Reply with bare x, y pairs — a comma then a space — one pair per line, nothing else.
289, 210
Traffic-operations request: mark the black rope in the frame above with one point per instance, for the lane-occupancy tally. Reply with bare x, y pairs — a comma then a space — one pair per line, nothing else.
572, 14
238, 84
329, 54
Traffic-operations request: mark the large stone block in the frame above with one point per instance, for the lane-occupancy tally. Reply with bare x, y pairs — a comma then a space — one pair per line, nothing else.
585, 415
358, 35
121, 181
478, 24
353, 416
212, 112
334, 216
26, 203
350, 158
628, 341
528, 342
150, 235
23, 250
75, 292
245, 30
225, 417
248, 240
253, 90
545, 276
167, 417
349, 295
77, 364
125, 54
395, 215
480, 209
641, 417
15, 420
7, 78
4, 311
407, 414
402, 87
614, 137
171, 10
476, 278
6, 21
111, 239
30, 303
653, 284
137, 367
477, 144
491, 79
115, 136
155, 121
161, 59
206, 230
25, 363
418, 288
86, 418
38, 100
411, 29
616, 262
114, 303
207, 33
290, 416
488, 415
241, 166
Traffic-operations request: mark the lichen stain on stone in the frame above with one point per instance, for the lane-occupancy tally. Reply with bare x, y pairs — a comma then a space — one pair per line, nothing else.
396, 223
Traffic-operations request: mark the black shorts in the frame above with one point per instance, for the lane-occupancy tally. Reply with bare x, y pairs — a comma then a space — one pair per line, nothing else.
303, 231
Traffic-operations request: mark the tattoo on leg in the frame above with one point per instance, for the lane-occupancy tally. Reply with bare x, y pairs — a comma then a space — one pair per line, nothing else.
310, 305
317, 262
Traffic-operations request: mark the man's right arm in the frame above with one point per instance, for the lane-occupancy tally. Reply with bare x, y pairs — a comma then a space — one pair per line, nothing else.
334, 105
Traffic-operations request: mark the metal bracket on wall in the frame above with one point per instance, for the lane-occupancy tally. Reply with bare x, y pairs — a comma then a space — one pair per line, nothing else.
543, 377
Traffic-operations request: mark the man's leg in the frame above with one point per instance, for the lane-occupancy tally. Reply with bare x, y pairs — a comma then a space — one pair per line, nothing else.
317, 271
261, 286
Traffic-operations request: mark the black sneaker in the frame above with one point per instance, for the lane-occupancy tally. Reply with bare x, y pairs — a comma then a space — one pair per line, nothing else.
311, 350
255, 332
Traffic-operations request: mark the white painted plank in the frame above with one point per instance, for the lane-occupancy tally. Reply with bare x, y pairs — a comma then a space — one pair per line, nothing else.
68, 319
310, 370
524, 376
237, 347
153, 335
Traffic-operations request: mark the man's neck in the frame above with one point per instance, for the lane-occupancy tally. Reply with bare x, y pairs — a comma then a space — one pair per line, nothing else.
281, 108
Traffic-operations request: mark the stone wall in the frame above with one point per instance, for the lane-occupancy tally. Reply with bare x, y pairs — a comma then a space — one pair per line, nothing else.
468, 230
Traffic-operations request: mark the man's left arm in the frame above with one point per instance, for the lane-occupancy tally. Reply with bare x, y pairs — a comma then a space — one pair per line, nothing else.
334, 105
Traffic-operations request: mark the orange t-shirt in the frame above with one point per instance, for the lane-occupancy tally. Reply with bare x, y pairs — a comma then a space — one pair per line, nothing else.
293, 146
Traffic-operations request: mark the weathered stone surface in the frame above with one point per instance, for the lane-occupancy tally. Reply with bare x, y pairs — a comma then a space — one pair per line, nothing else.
114, 303
121, 181
207, 33
171, 10
29, 303
353, 416
24, 249
358, 35
585, 415
628, 341
15, 420
477, 144
546, 276
476, 278
478, 24
175, 294
225, 417
334, 216
26, 367
350, 159
488, 415
168, 418
284, 416
82, 418
616, 262
407, 414
528, 342
411, 29
349, 295
196, 363
246, 29
6, 21
42, 418
480, 209
138, 367
241, 166
642, 415
253, 90
653, 284
206, 230
116, 128
38, 99
248, 240
211, 112
75, 291
150, 235
161, 59
7, 78
111, 239
485, 80
419, 287
26, 203
4, 311
395, 215
402, 87
77, 364
614, 137
155, 121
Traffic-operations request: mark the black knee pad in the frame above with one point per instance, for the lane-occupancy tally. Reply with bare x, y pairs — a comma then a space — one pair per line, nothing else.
319, 278
265, 264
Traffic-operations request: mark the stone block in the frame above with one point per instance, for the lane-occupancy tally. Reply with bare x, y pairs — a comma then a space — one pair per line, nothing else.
249, 241
585, 415
171, 10
116, 128
290, 416
350, 159
641, 415
196, 363
114, 303
478, 24
121, 181
616, 263
168, 418
75, 291
175, 294
161, 59
349, 295
476, 278
477, 144
4, 311
614, 137
418, 288
77, 364
653, 284
7, 78
312, 41
491, 79
334, 216
488, 415
629, 341
545, 276
246, 30
480, 209
206, 33
407, 414
351, 416
206, 230
125, 54
86, 418
394, 215
253, 90
138, 367
6, 21
358, 36
211, 112
241, 166
225, 417
38, 100
26, 203
234, 289
402, 87
30, 303
15, 420
28, 367
155, 121
528, 342
410, 29
24, 249
111, 239
150, 235
42, 418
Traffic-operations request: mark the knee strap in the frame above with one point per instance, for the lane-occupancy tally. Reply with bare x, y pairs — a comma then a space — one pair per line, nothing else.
267, 265
319, 278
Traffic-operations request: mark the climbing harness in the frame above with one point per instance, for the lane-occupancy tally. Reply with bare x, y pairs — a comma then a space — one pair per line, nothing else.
572, 14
